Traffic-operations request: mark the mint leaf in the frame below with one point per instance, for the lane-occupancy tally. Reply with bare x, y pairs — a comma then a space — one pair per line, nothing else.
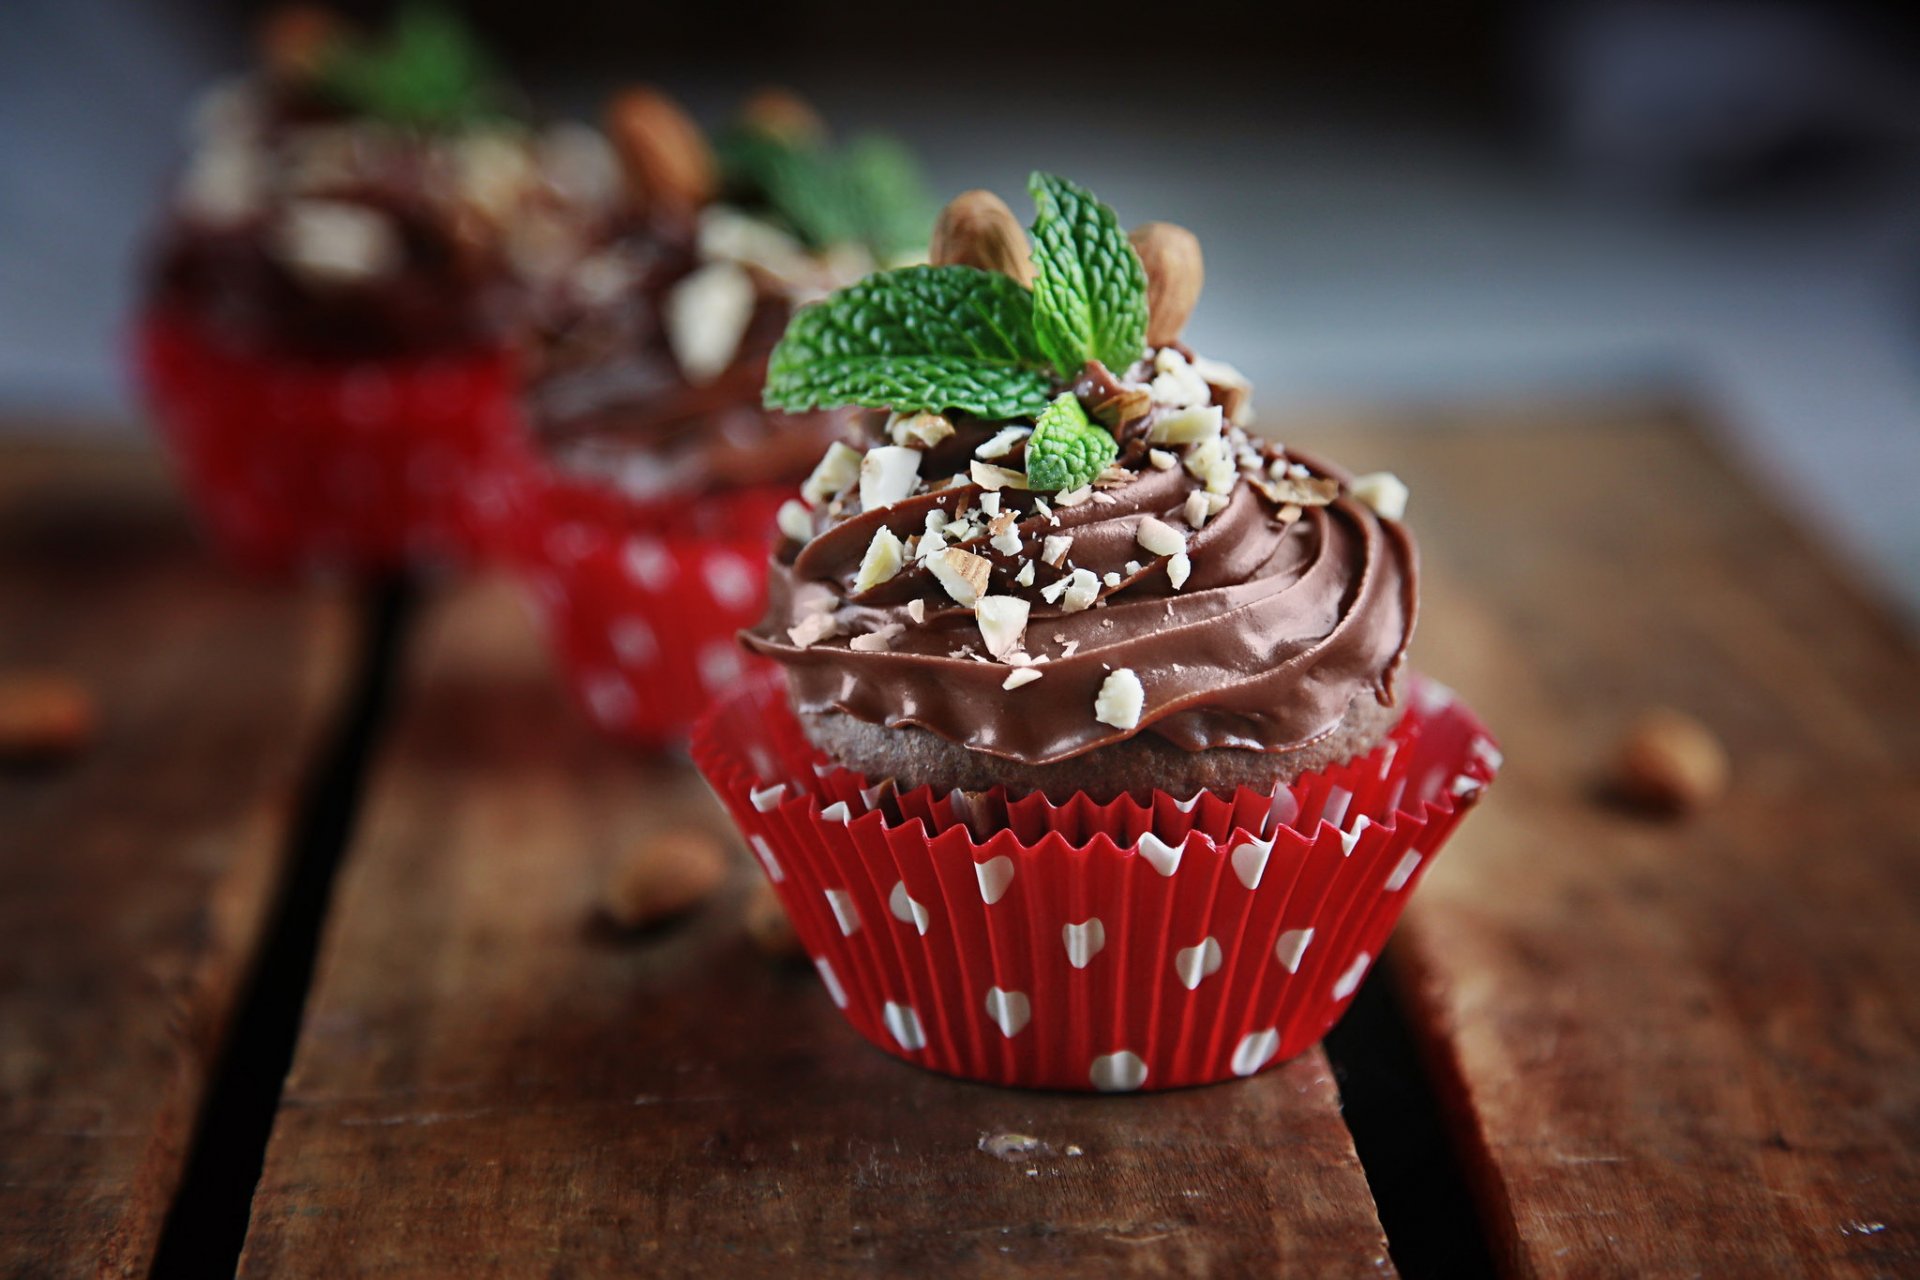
1067, 449
869, 193
428, 72
920, 338
889, 197
1089, 289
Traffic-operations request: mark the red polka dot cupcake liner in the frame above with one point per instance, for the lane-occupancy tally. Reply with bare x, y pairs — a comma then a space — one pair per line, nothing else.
362, 466
1112, 947
643, 601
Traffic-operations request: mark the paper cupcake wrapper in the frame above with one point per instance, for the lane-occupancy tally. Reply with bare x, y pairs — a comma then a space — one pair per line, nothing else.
1111, 947
642, 602
362, 466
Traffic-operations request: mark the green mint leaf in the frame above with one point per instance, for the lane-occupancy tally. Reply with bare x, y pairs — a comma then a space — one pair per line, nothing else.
869, 193
1067, 449
428, 72
920, 338
1089, 289
888, 197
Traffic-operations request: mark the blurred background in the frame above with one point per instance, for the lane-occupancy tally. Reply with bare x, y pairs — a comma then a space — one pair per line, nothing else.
1401, 202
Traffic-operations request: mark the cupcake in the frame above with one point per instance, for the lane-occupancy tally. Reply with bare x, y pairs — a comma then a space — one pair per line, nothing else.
342, 287
663, 473
1097, 764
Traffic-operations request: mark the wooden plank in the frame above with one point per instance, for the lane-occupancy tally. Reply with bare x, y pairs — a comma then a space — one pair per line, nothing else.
1674, 1048
135, 881
489, 1083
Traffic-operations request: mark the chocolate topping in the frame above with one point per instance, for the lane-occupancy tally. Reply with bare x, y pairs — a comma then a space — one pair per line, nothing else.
1277, 617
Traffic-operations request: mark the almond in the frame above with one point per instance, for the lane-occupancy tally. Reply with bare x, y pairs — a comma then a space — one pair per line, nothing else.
976, 229
44, 718
295, 38
1670, 762
1171, 255
666, 874
668, 163
785, 115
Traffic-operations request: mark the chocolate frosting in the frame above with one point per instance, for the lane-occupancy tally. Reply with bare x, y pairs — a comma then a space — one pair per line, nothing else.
1287, 615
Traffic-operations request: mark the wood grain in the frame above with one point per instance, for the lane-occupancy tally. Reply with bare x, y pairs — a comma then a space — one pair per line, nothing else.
493, 1082
135, 880
1672, 1048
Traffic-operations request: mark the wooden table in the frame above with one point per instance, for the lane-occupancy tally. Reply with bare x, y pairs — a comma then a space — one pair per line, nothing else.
356, 841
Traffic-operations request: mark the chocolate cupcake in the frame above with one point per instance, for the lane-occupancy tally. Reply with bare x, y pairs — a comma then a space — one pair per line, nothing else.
663, 472
1097, 764
342, 285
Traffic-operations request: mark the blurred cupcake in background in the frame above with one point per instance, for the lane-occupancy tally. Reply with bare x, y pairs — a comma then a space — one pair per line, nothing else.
664, 474
343, 286
1098, 765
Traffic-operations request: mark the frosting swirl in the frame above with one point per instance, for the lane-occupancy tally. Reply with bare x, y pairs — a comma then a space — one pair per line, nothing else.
1288, 598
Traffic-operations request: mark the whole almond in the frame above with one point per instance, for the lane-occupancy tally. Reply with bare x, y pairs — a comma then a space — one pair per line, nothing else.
1670, 762
1175, 272
44, 718
976, 229
783, 114
295, 38
664, 875
768, 926
668, 163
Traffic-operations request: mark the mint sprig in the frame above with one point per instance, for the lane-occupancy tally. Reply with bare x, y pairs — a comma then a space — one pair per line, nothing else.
428, 72
1067, 449
920, 338
1089, 287
868, 193
957, 338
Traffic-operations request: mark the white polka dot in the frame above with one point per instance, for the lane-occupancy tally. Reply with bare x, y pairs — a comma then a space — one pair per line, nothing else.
906, 910
571, 542
608, 697
720, 665
1291, 946
1250, 861
846, 912
731, 580
1120, 1072
775, 872
649, 563
1163, 857
832, 980
904, 1023
995, 874
1083, 941
1255, 1050
837, 812
1195, 964
1350, 980
767, 799
1010, 1011
1403, 871
633, 641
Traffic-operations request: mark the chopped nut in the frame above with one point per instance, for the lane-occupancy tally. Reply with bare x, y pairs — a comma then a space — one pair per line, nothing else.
1197, 511
1175, 384
665, 154
1120, 700
990, 477
1082, 590
334, 242
1178, 567
1103, 499
990, 503
887, 474
917, 610
1023, 675
1111, 578
768, 926
1208, 463
1002, 442
664, 875
1052, 592
1073, 497
814, 628
931, 541
1133, 567
1002, 621
1288, 514
1184, 426
1670, 762
833, 475
881, 561
1113, 475
876, 641
1024, 578
922, 430
1311, 491
1231, 389
961, 574
1384, 492
705, 316
1158, 537
1054, 550
44, 718
795, 520
1161, 460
